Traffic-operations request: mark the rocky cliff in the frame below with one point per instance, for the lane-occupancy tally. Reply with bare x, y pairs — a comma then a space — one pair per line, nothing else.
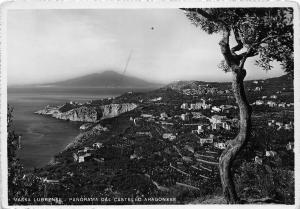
83, 113
88, 113
113, 110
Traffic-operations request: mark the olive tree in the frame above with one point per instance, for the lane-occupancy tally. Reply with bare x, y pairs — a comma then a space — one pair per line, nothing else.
263, 33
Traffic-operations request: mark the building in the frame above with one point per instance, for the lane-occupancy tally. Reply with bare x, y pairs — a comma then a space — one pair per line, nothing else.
82, 157
85, 126
216, 126
282, 104
156, 99
147, 116
258, 160
99, 127
86, 149
270, 123
271, 153
200, 128
184, 106
259, 102
258, 88
97, 145
198, 115
163, 116
199, 105
279, 124
227, 107
206, 106
271, 104
185, 117
137, 121
218, 118
290, 146
192, 107
273, 97
50, 181
220, 145
208, 140
288, 126
216, 109
169, 136
137, 154
226, 126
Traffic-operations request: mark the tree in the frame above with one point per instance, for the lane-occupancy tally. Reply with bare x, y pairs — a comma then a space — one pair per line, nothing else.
263, 33
19, 184
15, 169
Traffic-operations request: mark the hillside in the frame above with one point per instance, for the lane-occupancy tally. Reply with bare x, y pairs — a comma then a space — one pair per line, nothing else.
284, 80
148, 145
106, 79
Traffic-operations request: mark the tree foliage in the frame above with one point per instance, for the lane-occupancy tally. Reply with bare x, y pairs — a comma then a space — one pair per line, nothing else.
266, 33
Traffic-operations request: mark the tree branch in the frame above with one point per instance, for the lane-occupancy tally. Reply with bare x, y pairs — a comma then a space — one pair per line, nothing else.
238, 39
249, 53
225, 49
207, 16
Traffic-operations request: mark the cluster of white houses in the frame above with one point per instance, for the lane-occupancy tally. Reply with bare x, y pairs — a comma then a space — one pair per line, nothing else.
203, 105
280, 125
169, 136
217, 122
212, 140
273, 103
196, 106
86, 153
204, 89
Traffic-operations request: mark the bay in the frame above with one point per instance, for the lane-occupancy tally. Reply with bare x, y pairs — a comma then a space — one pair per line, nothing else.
42, 136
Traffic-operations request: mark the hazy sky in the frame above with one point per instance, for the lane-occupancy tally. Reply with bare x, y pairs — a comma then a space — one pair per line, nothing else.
52, 45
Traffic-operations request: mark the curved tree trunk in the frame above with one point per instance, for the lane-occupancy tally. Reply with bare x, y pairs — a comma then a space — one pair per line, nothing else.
234, 146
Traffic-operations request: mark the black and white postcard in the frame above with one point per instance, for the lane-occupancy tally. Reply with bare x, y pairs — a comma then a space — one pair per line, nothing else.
158, 103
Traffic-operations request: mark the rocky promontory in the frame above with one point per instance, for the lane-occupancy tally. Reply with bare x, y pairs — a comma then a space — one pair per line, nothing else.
94, 131
86, 113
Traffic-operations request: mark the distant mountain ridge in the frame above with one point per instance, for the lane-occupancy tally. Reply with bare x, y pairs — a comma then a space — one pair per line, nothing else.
193, 84
106, 79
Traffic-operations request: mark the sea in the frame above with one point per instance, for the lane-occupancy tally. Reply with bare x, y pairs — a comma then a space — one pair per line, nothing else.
41, 136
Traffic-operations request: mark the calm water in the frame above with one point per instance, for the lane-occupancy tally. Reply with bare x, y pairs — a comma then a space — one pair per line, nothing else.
43, 137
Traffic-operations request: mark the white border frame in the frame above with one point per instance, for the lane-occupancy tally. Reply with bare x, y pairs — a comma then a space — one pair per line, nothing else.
136, 4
